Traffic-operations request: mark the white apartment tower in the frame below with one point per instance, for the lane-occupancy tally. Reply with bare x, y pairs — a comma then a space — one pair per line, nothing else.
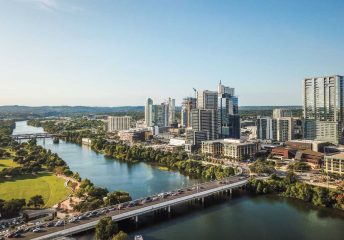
324, 108
118, 123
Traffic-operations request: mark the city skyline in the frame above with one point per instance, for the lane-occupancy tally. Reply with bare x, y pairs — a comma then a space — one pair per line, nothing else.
121, 52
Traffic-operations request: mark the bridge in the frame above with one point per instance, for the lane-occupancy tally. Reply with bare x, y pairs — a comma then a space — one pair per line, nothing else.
28, 136
162, 203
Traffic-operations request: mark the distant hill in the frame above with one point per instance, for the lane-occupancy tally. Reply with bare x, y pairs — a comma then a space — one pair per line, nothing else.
16, 111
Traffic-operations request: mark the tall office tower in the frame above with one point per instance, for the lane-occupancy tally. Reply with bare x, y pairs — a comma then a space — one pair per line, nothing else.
324, 108
229, 118
205, 120
266, 128
171, 111
149, 113
207, 99
160, 115
188, 104
118, 123
281, 112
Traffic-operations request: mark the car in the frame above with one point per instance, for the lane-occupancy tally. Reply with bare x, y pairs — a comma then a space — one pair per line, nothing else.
72, 220
49, 224
36, 230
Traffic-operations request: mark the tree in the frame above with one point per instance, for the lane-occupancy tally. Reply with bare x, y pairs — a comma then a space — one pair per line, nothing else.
290, 178
36, 201
120, 236
106, 228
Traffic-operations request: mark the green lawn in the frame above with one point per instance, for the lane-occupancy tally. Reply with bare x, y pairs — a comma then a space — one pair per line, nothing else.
46, 184
7, 163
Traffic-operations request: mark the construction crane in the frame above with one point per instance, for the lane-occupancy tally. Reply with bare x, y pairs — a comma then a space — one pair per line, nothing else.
195, 92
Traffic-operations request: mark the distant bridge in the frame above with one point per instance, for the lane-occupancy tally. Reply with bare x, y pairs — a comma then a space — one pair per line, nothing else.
197, 193
28, 136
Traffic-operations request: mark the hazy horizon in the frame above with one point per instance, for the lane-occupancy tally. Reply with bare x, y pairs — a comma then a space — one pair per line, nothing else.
118, 53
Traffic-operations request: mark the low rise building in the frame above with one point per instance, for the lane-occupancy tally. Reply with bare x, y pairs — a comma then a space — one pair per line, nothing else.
232, 148
334, 164
135, 135
311, 157
317, 146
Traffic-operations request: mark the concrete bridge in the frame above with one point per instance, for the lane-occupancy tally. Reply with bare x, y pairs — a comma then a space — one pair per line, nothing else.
28, 136
196, 193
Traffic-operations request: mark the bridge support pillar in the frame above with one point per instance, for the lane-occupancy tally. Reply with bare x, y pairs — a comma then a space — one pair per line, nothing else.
136, 219
203, 201
169, 209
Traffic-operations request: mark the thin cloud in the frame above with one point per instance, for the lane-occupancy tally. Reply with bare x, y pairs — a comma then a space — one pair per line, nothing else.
53, 5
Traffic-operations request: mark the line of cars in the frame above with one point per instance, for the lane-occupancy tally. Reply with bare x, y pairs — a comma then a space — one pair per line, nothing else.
40, 226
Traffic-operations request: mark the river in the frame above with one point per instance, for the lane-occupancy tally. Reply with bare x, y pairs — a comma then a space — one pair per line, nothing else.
244, 217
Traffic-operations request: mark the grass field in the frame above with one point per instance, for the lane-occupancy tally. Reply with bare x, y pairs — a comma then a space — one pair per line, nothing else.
7, 163
46, 184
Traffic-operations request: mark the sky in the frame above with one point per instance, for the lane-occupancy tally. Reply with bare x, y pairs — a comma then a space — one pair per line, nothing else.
120, 52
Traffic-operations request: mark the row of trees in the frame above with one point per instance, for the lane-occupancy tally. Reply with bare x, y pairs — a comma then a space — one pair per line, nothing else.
13, 207
291, 187
173, 160
97, 197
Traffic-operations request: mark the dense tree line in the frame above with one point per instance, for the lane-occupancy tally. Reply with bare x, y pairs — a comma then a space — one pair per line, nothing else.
291, 187
73, 130
173, 160
34, 159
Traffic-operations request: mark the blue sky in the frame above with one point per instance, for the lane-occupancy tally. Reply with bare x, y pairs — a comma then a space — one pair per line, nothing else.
113, 53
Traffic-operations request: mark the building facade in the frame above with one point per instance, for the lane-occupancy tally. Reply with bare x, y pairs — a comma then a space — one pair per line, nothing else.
281, 113
118, 123
232, 148
207, 100
324, 108
205, 120
334, 164
228, 110
188, 104
149, 113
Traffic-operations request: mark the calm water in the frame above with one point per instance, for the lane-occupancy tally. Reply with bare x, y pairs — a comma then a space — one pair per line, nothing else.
246, 218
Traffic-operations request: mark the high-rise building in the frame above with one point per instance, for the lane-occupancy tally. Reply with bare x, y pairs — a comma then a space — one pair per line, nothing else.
149, 113
118, 123
188, 104
228, 110
285, 129
207, 99
266, 128
171, 111
324, 108
160, 115
281, 113
205, 120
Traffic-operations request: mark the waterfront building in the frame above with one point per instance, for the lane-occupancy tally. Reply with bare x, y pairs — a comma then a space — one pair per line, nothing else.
188, 104
281, 113
323, 108
116, 123
228, 110
334, 164
149, 113
233, 148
